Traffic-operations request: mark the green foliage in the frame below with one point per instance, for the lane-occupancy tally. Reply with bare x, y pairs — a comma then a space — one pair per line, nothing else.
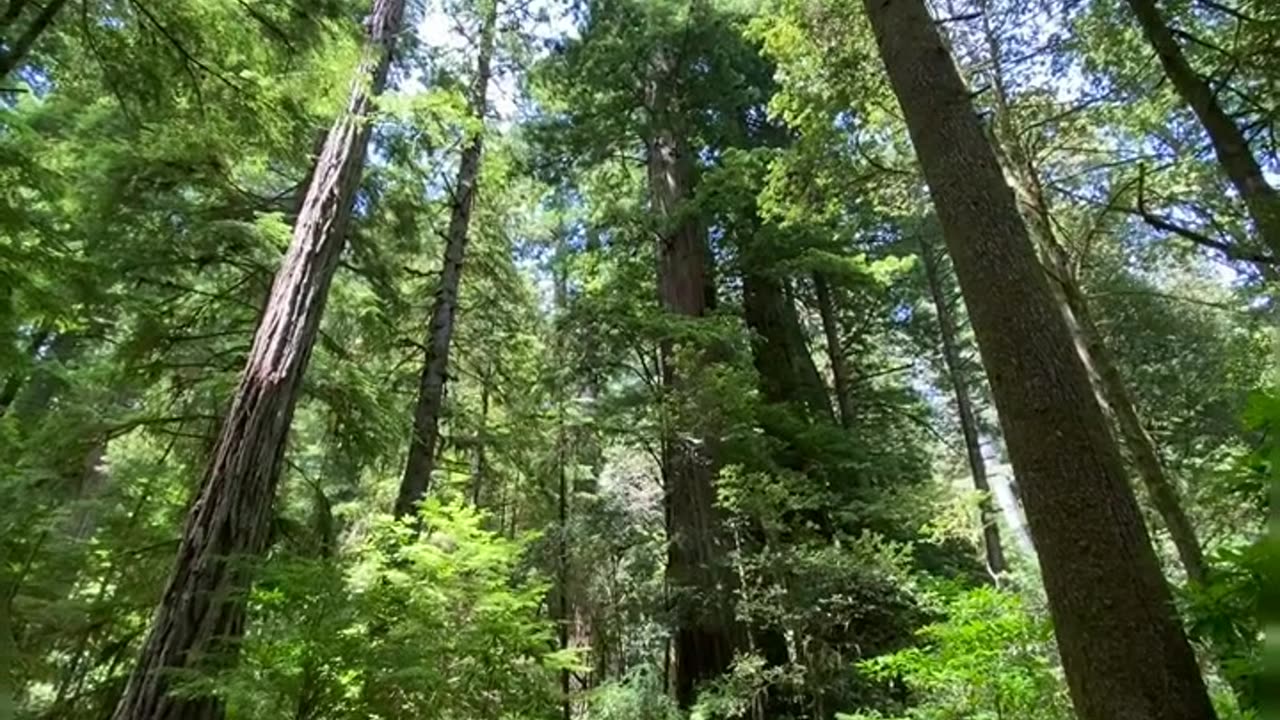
988, 658
637, 696
442, 624
1230, 612
151, 155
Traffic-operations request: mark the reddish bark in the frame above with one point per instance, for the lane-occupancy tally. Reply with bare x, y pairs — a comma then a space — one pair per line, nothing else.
201, 616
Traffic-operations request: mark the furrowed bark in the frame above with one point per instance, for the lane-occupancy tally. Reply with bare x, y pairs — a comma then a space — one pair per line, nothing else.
431, 387
703, 642
1123, 650
201, 615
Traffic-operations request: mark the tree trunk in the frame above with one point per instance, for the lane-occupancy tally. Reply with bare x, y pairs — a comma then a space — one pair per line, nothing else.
479, 460
13, 383
782, 357
835, 350
703, 641
1123, 651
15, 53
562, 566
1109, 386
201, 615
1140, 445
1229, 143
947, 335
435, 366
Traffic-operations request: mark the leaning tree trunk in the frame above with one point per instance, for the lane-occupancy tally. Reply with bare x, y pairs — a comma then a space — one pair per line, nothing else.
16, 50
201, 615
835, 349
696, 573
1141, 446
1109, 385
1123, 651
951, 358
435, 366
1229, 143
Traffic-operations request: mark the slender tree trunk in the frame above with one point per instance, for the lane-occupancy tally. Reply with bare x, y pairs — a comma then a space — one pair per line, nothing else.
1235, 157
562, 566
480, 467
835, 349
435, 366
1141, 446
202, 613
782, 357
947, 334
16, 51
1109, 385
703, 642
1123, 650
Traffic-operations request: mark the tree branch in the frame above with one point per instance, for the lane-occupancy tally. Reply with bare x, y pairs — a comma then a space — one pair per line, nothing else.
1160, 223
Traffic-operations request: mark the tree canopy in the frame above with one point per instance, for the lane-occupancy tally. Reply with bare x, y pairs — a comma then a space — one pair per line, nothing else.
627, 359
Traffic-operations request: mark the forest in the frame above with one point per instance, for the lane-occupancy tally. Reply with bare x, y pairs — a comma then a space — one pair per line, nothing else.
639, 359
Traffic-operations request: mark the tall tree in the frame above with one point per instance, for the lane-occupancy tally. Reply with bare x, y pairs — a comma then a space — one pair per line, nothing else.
1235, 157
1131, 660
1024, 176
953, 364
203, 609
704, 642
435, 366
782, 357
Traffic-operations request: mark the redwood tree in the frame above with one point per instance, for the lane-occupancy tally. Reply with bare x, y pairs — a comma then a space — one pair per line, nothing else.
703, 618
201, 614
435, 365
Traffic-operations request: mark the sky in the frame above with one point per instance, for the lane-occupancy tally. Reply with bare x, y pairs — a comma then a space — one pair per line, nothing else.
438, 29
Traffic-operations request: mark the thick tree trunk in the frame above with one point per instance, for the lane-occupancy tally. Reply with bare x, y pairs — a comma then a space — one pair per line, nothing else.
435, 365
782, 357
835, 349
201, 615
947, 335
1229, 144
699, 583
1123, 651
15, 52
